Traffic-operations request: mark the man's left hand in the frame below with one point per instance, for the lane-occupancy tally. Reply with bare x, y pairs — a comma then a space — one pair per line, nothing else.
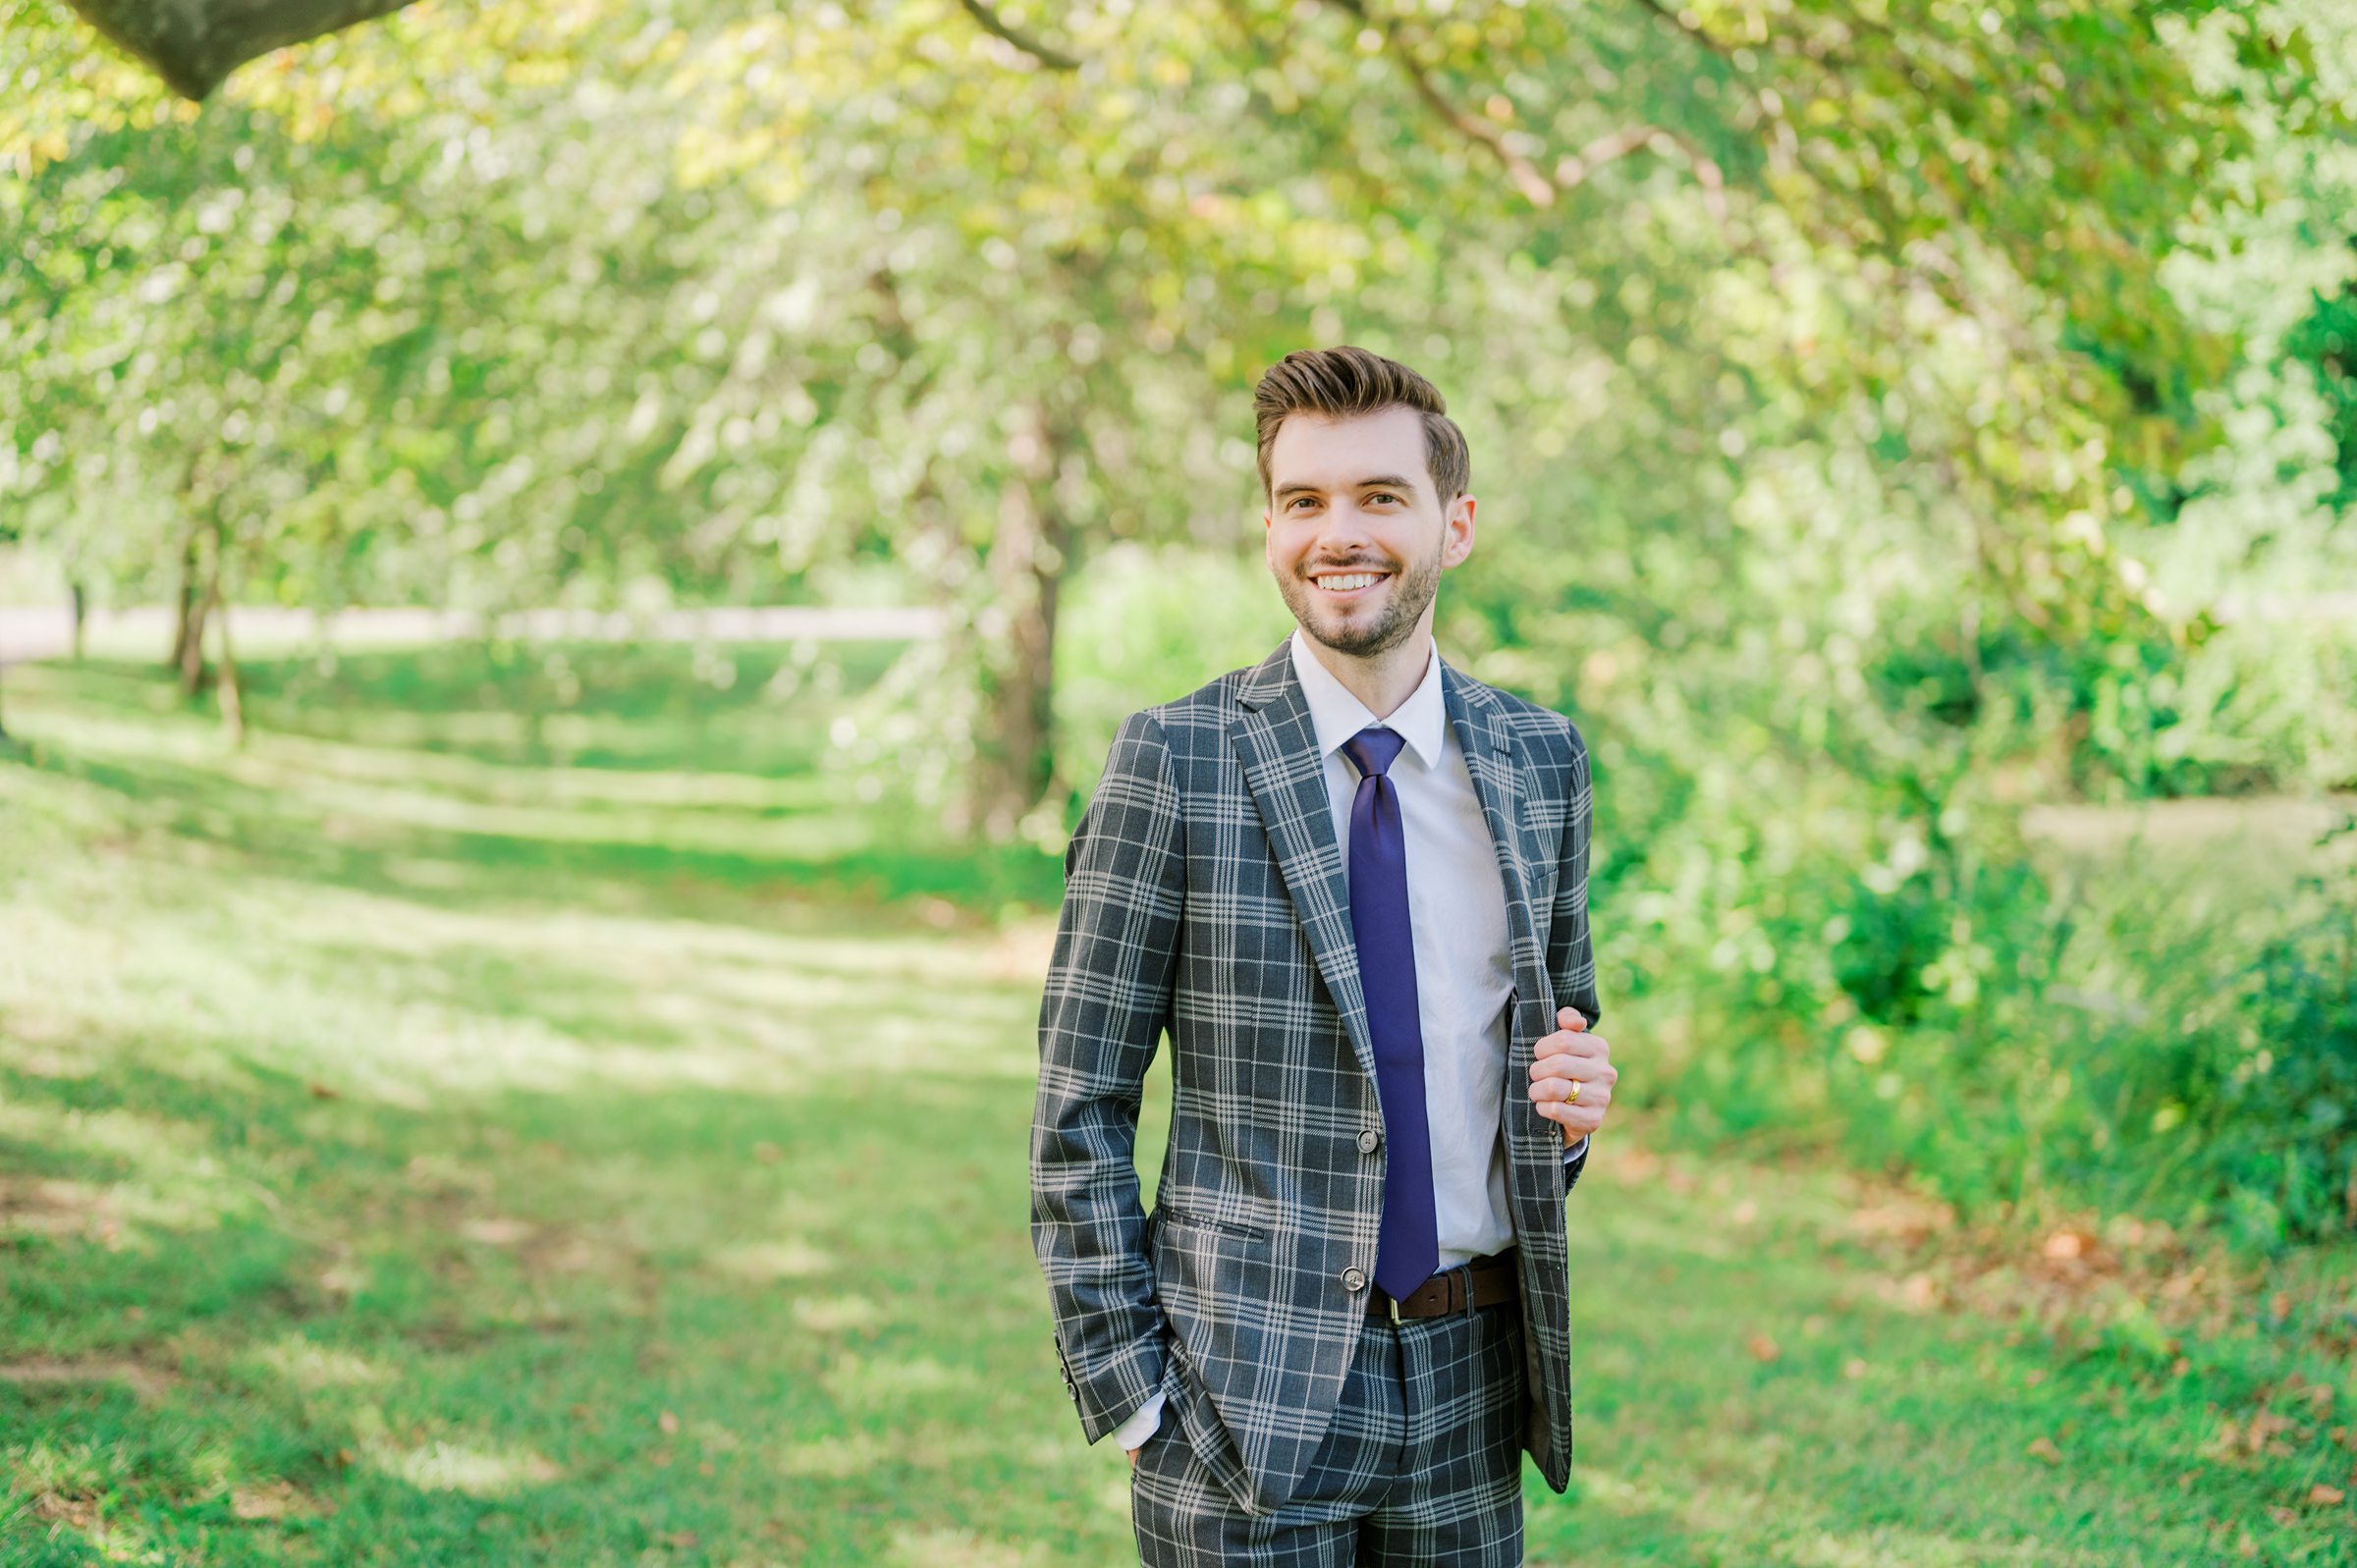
1569, 1056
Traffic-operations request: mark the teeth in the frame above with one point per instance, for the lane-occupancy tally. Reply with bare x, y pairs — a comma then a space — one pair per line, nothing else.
1362, 579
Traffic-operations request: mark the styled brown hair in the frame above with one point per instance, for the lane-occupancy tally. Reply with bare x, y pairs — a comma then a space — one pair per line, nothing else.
1338, 383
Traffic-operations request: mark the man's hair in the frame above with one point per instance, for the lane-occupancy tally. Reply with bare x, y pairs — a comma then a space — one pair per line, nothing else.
1338, 383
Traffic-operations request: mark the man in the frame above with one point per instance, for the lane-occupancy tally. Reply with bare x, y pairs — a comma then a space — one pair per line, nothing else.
1350, 883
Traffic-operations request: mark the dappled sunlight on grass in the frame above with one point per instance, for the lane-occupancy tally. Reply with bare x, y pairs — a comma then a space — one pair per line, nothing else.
166, 1177
382, 995
930, 1548
440, 1157
831, 1458
456, 1467
309, 1366
764, 1262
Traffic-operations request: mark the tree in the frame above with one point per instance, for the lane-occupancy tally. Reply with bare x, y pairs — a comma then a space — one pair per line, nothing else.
929, 287
193, 44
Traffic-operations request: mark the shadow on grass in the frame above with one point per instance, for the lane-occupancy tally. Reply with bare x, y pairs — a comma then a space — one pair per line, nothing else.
575, 852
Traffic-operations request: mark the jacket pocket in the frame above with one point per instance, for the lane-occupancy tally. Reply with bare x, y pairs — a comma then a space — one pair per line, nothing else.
1186, 1218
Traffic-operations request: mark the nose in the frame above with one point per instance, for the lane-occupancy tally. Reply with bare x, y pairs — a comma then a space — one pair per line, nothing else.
1343, 532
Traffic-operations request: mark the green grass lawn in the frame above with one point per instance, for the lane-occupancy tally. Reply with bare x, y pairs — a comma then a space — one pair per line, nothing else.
435, 1136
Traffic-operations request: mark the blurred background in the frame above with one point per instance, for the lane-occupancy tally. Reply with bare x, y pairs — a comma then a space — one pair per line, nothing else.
566, 570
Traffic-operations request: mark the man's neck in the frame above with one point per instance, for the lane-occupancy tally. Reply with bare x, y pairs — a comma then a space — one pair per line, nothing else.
1383, 680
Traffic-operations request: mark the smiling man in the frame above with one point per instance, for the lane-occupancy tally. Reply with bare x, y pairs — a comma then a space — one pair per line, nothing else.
1350, 884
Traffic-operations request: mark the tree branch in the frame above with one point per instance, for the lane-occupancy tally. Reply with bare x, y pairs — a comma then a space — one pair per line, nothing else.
1573, 171
1570, 171
1535, 186
991, 23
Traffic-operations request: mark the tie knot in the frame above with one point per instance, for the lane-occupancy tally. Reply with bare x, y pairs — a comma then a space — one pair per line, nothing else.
1373, 750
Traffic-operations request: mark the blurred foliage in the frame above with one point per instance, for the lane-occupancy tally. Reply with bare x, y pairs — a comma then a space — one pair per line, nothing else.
1885, 418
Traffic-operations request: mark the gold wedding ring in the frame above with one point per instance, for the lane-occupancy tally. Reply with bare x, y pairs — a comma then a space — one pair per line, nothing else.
1573, 1099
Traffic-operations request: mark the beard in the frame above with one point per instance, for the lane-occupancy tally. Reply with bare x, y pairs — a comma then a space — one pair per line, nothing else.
1346, 631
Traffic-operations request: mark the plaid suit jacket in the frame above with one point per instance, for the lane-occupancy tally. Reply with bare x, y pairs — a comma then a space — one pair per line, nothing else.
1205, 897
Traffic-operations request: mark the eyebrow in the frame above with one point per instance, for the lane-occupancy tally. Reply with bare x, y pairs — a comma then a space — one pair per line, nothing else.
1381, 481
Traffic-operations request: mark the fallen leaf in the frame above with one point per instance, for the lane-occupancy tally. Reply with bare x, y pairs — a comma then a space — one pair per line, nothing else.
2044, 1448
769, 1153
1763, 1348
320, 1091
2283, 1515
682, 1540
669, 1423
2264, 1426
2325, 1497
1853, 1369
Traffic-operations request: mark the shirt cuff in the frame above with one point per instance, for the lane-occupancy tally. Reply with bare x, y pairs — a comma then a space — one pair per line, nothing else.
1133, 1432
1577, 1150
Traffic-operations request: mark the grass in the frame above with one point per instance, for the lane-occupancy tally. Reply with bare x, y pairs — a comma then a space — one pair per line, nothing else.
430, 1136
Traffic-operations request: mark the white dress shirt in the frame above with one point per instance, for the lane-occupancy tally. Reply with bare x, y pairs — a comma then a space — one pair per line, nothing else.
1465, 971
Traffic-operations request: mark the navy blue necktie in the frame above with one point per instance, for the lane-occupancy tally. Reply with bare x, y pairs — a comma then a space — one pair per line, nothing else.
1409, 1246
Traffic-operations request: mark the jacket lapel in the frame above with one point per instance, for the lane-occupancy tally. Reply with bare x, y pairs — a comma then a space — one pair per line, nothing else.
1279, 748
1534, 1153
1498, 781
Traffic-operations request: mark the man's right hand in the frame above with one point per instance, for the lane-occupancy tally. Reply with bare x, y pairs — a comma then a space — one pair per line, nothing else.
1133, 1453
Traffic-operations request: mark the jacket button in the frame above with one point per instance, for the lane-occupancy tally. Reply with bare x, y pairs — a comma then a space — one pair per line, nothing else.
1367, 1141
1354, 1281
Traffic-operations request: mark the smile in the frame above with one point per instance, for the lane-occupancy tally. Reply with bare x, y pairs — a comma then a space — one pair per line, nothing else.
1342, 584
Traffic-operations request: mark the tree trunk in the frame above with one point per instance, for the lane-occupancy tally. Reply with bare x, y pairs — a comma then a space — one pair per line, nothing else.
1025, 570
194, 677
233, 691
82, 609
214, 610
187, 621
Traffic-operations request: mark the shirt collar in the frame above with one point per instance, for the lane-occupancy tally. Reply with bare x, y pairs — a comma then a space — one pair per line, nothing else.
1422, 721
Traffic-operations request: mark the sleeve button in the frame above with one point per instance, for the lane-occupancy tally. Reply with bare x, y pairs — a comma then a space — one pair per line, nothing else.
1354, 1280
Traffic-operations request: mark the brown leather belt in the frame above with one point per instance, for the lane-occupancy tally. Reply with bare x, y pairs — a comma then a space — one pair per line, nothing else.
1482, 1282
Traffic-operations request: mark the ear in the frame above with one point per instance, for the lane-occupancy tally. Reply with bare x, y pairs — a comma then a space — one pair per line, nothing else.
1456, 531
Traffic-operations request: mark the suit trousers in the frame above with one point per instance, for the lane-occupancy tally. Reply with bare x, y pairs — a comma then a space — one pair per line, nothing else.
1421, 1465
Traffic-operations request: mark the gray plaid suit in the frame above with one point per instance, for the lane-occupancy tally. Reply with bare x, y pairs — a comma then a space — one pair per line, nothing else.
1204, 895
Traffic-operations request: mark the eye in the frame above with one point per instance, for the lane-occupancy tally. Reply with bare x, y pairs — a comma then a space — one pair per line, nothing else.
1296, 501
1382, 494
